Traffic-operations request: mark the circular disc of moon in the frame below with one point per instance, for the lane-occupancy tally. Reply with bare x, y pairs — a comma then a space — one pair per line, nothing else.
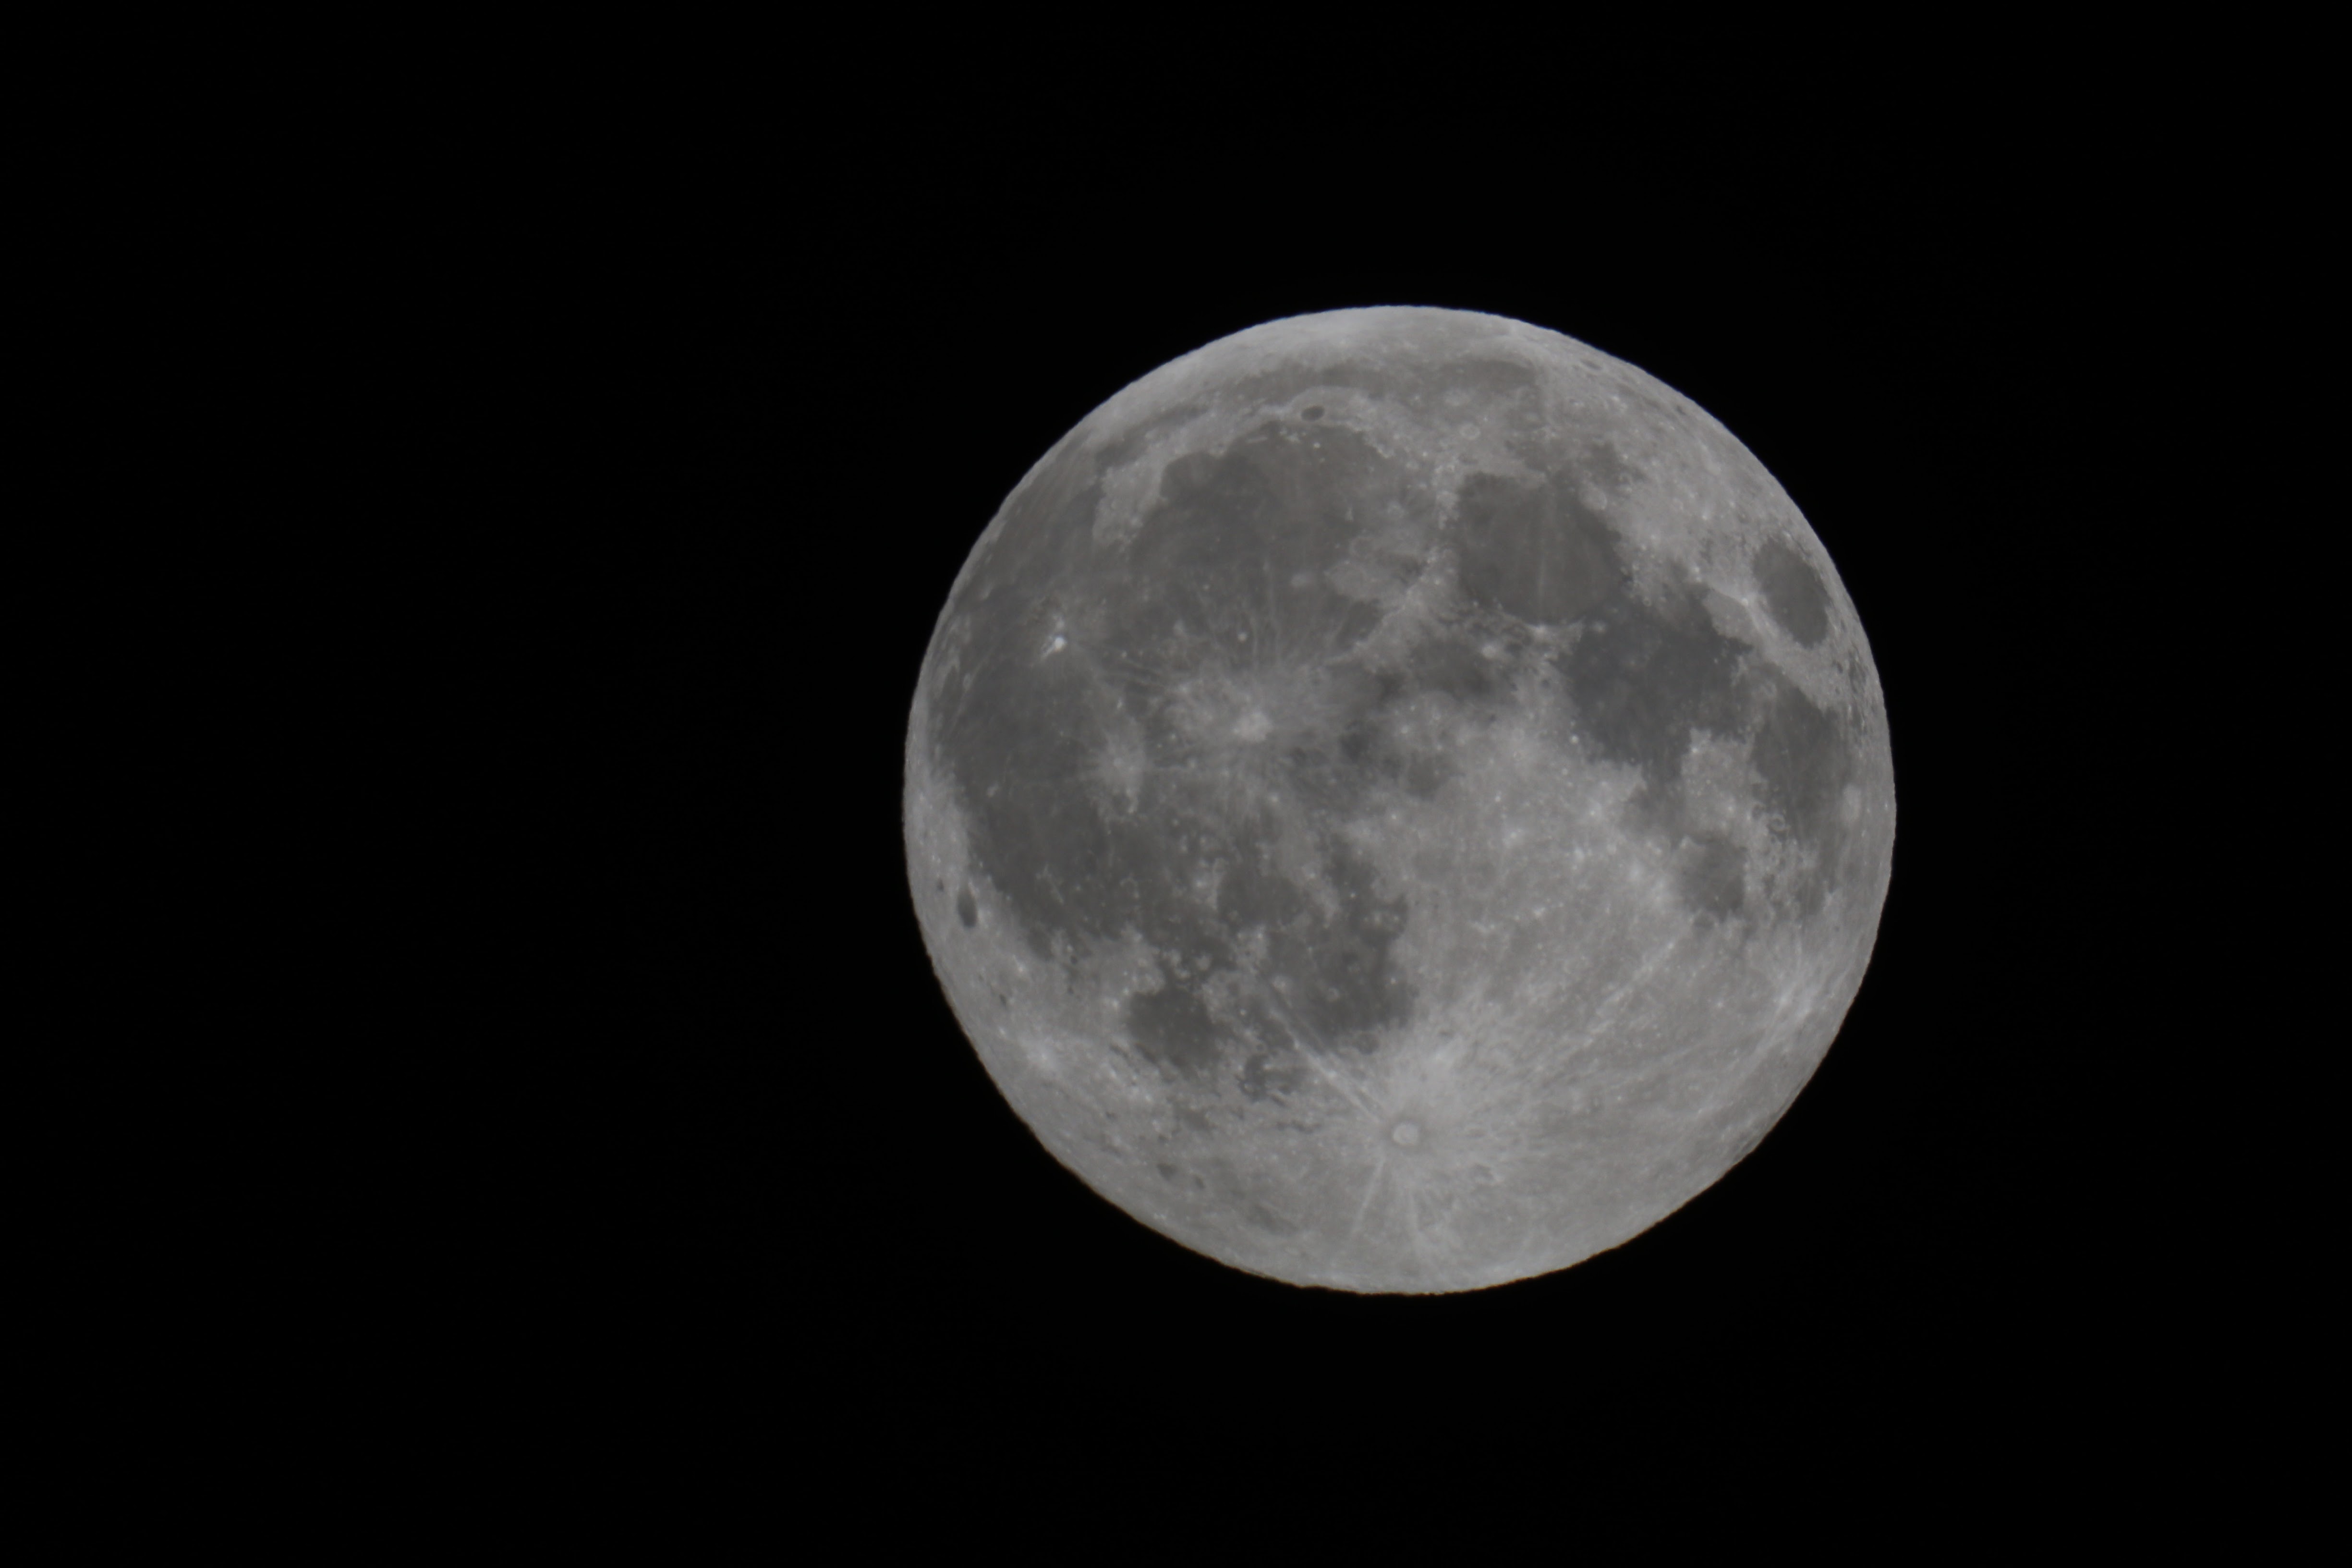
1398, 800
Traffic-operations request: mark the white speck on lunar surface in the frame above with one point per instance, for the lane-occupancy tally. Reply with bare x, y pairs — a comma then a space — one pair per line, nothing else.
1451, 823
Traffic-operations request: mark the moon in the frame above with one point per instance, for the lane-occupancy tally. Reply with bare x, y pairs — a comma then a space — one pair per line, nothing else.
1398, 800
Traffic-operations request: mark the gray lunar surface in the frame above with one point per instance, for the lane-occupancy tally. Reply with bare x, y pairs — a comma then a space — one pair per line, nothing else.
1398, 800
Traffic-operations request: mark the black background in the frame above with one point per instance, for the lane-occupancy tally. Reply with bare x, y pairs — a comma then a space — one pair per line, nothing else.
649, 464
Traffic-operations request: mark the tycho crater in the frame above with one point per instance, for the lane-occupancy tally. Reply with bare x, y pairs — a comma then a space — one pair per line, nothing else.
1400, 800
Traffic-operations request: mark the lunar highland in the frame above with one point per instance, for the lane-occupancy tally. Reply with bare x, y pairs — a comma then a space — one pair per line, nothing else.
1400, 800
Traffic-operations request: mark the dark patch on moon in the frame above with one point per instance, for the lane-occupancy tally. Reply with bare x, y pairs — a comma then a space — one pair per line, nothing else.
1368, 751
1642, 678
1452, 669
1265, 1219
1793, 594
1223, 581
1240, 541
1335, 973
1488, 381
967, 908
1173, 1028
1535, 552
1254, 891
1805, 759
1713, 879
1425, 774
1059, 861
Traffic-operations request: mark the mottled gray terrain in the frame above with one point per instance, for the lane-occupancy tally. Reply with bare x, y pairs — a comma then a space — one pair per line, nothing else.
1400, 800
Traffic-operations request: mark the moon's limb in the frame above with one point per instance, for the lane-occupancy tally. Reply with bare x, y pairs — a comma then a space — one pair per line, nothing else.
1400, 800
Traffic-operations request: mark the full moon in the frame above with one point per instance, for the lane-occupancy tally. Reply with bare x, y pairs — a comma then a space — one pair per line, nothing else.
1398, 800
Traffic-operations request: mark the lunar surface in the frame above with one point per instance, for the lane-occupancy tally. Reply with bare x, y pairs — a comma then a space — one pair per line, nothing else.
1400, 800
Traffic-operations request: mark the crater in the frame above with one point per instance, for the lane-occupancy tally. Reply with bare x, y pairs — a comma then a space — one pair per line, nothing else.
1794, 595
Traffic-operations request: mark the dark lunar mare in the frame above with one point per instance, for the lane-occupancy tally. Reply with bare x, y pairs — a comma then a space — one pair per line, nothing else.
1713, 879
1225, 577
1645, 675
1537, 552
1806, 758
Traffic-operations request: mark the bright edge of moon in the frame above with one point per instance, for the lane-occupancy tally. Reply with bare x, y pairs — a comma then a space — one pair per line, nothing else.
1398, 800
